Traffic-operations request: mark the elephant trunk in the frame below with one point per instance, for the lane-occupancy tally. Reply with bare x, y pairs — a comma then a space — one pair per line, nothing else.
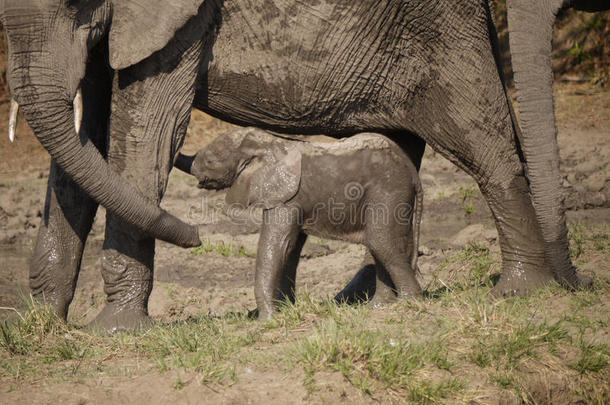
50, 114
184, 163
530, 30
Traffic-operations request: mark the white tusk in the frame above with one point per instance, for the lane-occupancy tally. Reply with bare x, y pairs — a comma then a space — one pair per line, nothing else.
12, 120
78, 110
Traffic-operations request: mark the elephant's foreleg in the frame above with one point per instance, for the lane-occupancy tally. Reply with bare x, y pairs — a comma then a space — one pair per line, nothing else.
69, 212
127, 269
150, 114
286, 290
279, 239
66, 222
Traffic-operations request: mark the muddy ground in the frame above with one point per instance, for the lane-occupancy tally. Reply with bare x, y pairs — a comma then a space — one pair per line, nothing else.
189, 284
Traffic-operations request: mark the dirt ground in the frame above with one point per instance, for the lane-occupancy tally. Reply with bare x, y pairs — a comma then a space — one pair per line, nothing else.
188, 284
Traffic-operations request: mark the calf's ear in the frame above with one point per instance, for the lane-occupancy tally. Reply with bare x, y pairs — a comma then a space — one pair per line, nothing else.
141, 27
268, 182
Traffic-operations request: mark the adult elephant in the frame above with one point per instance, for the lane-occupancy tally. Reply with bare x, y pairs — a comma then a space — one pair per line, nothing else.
412, 70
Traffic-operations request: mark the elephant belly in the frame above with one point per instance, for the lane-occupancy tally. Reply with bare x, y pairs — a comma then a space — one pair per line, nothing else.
340, 192
318, 66
344, 225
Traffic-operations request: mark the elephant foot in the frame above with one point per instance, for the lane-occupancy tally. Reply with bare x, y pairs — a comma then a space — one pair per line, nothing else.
522, 280
383, 295
262, 315
582, 282
59, 305
113, 319
379, 301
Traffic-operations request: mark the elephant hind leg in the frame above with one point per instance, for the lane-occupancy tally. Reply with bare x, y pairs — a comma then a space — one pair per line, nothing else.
490, 156
524, 268
479, 138
465, 116
390, 246
372, 283
385, 289
401, 281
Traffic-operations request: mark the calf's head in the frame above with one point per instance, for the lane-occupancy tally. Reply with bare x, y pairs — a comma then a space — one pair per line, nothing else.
259, 169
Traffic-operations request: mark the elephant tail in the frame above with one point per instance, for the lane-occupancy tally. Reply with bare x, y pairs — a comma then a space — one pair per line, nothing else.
417, 213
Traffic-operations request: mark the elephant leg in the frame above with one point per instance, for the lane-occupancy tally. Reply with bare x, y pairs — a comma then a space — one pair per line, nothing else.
372, 282
150, 115
402, 281
69, 212
414, 147
66, 222
385, 289
524, 268
476, 133
390, 246
277, 245
380, 288
286, 291
491, 158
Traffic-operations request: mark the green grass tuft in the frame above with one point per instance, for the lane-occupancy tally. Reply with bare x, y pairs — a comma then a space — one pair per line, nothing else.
467, 192
221, 248
593, 357
30, 332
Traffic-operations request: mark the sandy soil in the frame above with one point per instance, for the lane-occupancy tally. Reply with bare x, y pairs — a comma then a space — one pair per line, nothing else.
191, 285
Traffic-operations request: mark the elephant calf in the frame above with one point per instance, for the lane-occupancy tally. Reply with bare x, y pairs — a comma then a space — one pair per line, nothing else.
361, 189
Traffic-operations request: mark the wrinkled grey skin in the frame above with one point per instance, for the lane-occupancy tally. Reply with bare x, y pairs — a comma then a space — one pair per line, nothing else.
362, 189
411, 70
531, 32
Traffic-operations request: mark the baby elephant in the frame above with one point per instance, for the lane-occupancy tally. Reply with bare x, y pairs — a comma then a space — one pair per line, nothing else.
361, 189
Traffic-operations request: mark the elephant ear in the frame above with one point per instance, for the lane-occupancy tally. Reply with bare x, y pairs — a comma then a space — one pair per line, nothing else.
140, 28
269, 181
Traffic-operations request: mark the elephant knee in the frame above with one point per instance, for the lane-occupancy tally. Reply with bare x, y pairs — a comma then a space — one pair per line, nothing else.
50, 266
502, 178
